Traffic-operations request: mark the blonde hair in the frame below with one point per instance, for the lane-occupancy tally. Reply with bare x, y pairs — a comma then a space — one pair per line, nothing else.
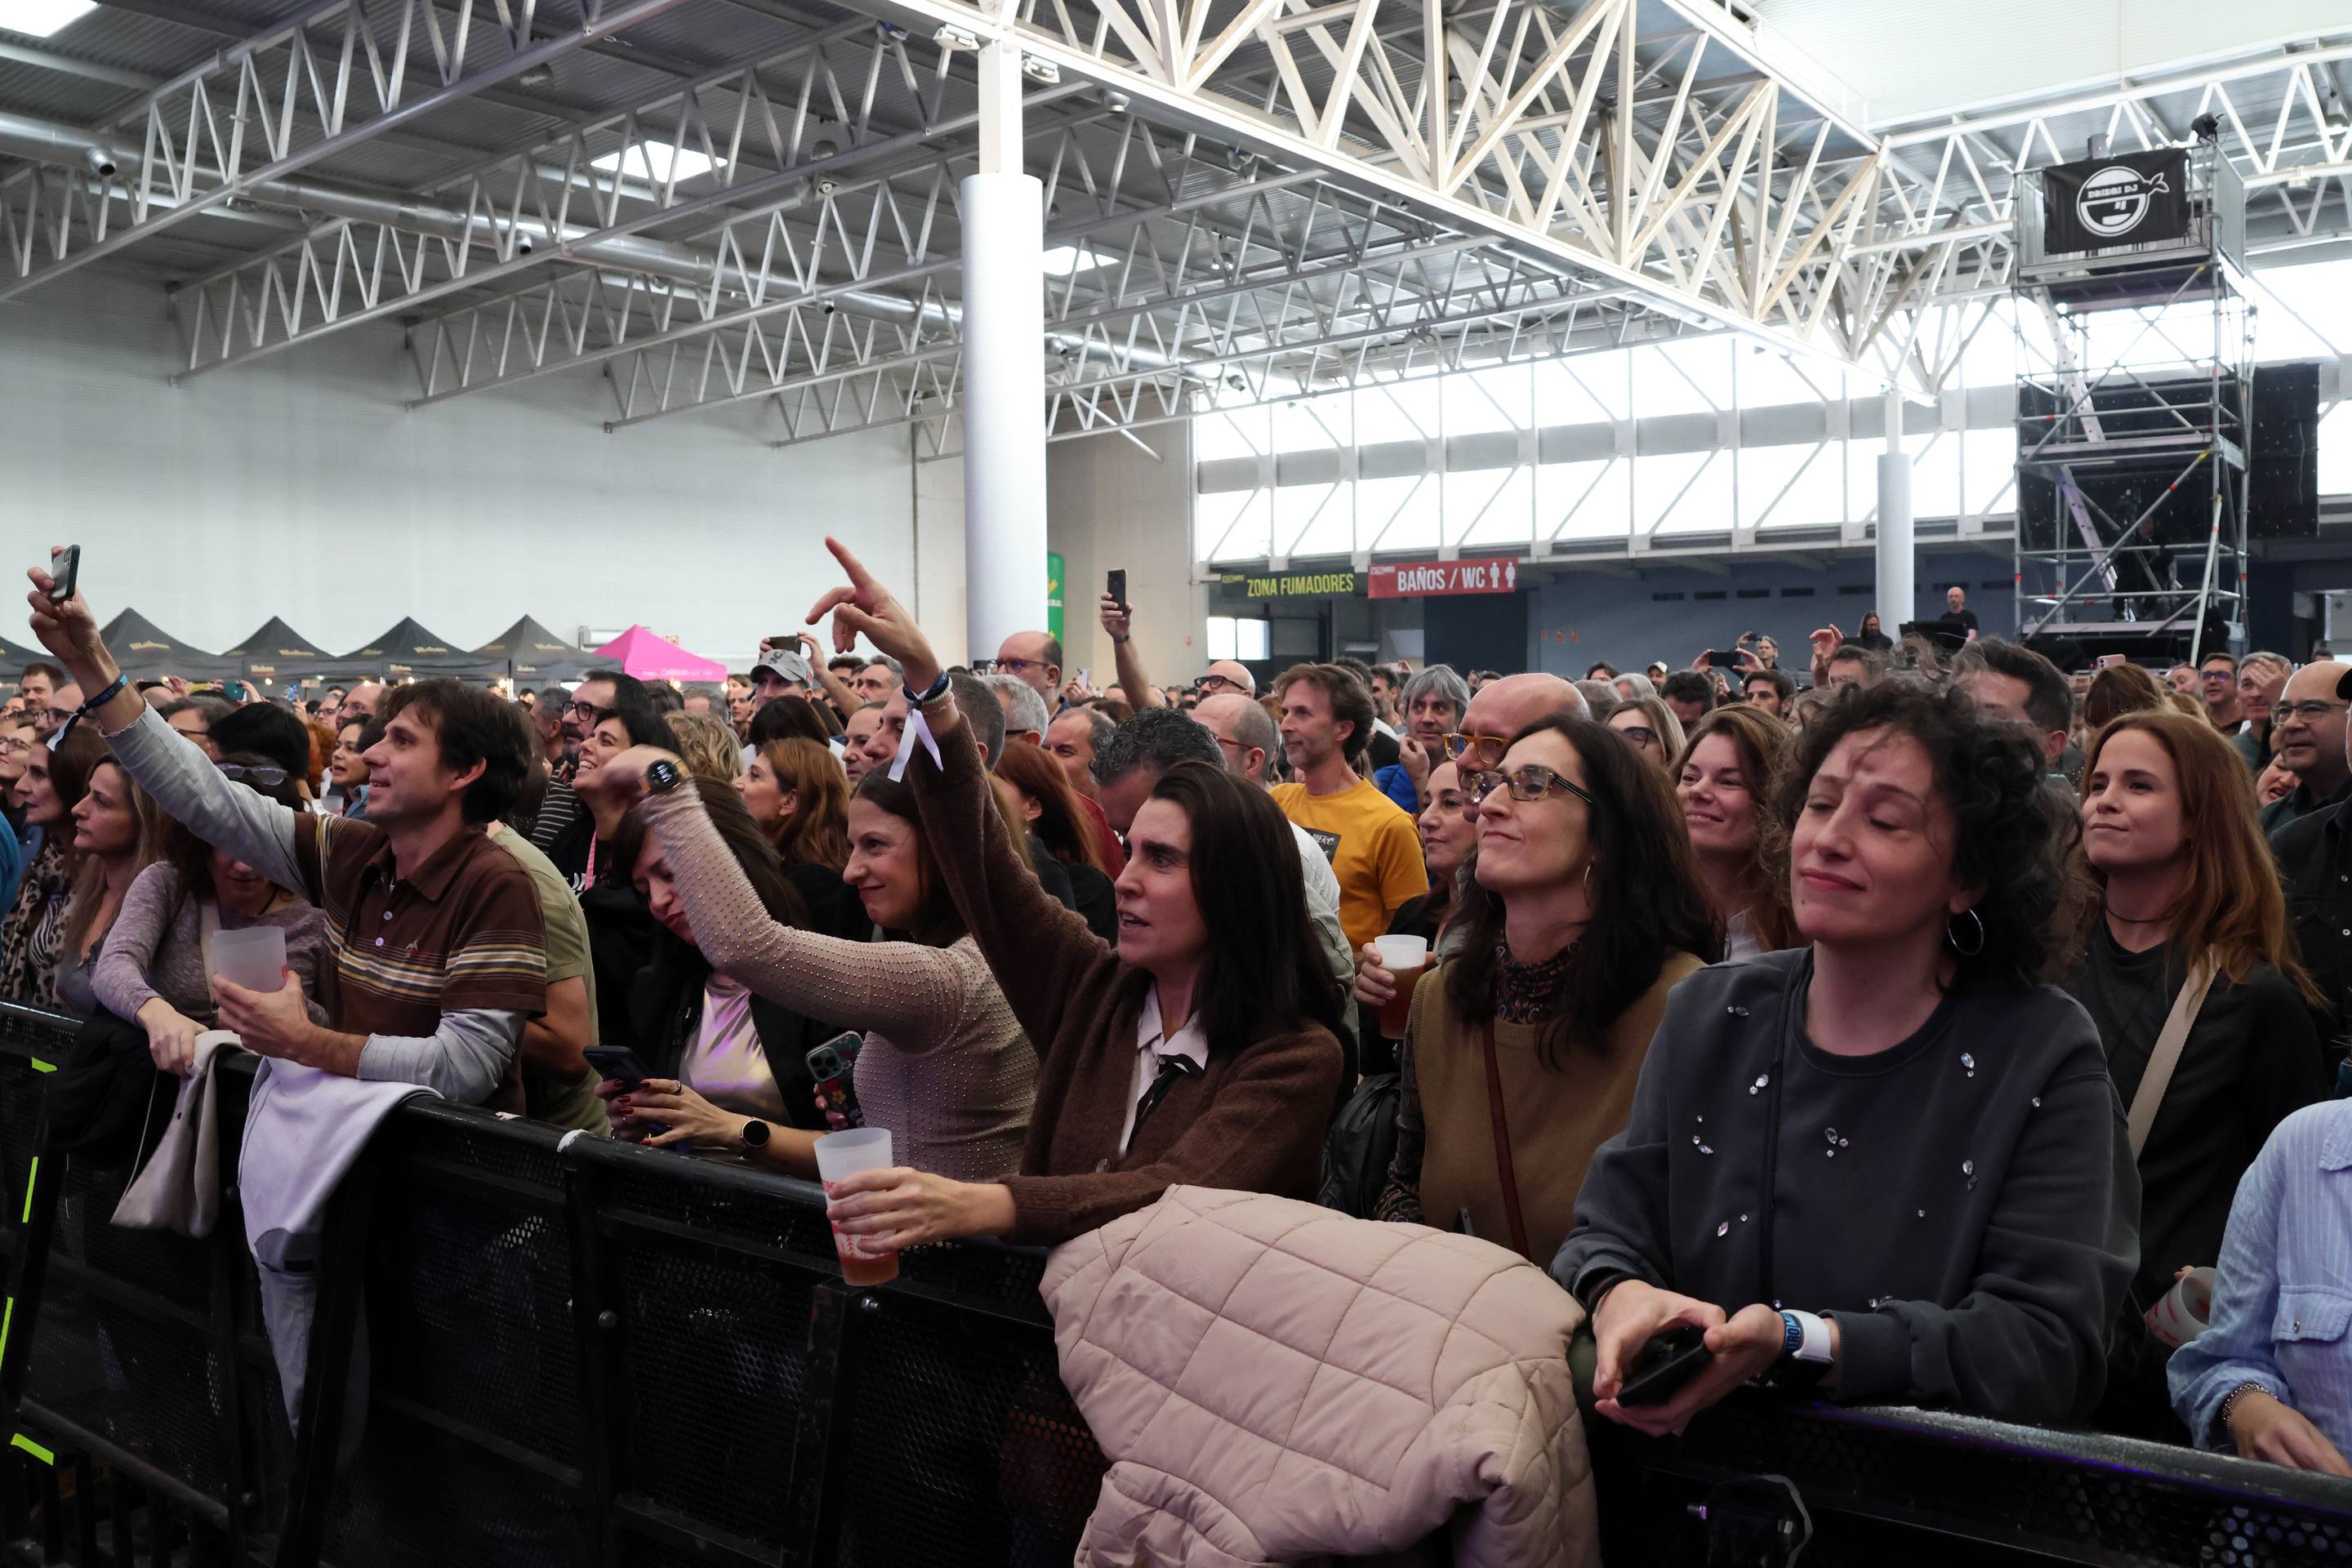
707, 747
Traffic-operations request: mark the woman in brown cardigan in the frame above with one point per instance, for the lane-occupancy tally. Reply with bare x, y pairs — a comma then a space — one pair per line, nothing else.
1203, 1050
1585, 912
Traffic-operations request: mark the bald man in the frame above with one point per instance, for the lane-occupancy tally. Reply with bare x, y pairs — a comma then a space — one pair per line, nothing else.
1035, 658
1227, 675
1501, 709
2308, 722
1245, 733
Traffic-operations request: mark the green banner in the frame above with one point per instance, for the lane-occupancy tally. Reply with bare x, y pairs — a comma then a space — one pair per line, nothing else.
1054, 595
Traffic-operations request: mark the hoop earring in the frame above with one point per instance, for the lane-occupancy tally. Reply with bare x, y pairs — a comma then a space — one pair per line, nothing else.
1587, 889
1954, 938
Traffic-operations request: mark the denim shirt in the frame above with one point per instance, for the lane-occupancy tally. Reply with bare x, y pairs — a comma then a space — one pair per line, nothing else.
2283, 1304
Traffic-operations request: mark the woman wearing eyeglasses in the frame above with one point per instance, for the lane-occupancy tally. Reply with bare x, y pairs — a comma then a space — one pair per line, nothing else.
152, 971
1522, 1051
1650, 727
1888, 1165
1721, 772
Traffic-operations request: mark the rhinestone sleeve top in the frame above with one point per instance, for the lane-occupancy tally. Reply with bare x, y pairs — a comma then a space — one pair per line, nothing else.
944, 1065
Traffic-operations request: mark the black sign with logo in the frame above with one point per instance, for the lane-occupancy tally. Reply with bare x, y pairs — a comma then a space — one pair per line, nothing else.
2132, 198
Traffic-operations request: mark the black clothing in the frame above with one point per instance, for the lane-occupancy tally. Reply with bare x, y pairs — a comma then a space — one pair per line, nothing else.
1383, 752
2251, 1058
665, 1010
1962, 1202
1877, 642
1050, 874
2299, 804
834, 907
1965, 618
2312, 862
1096, 900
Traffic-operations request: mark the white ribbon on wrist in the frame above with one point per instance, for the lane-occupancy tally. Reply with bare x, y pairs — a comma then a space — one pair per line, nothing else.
916, 730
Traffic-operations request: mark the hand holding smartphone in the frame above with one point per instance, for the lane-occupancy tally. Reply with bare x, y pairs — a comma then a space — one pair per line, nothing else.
1670, 1360
833, 1064
1116, 586
65, 572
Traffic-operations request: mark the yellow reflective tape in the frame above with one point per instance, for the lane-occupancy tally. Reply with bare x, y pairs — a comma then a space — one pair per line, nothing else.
21, 1441
31, 1176
7, 1316
40, 1065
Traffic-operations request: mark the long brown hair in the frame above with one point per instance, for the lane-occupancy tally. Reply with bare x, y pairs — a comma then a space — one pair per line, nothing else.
938, 924
2118, 690
2231, 904
1763, 744
817, 832
89, 876
1061, 822
1646, 900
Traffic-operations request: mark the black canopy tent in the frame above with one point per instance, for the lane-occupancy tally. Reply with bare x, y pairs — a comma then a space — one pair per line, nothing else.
16, 656
282, 659
410, 652
533, 656
146, 651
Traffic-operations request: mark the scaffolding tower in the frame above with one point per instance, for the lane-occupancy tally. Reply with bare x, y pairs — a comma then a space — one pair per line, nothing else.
2131, 445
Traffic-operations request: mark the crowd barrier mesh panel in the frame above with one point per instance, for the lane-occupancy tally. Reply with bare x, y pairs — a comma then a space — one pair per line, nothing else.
467, 1323
142, 1374
715, 1348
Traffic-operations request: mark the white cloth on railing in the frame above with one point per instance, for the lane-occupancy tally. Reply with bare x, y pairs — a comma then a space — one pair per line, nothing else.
303, 1129
179, 1188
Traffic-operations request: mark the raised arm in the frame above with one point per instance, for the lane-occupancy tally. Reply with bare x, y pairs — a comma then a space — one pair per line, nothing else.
1116, 619
166, 763
1044, 957
911, 993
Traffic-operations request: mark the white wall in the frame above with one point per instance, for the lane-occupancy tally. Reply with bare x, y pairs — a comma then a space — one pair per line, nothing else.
1115, 505
298, 485
1910, 57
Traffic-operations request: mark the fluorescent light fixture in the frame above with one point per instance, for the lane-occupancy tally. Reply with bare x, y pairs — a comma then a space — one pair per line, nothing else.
1064, 259
41, 18
650, 160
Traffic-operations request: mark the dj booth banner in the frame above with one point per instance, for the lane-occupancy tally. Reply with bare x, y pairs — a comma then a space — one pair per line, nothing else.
2132, 198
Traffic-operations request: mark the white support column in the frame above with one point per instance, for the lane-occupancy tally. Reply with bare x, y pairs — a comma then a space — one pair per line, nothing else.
1897, 599
1004, 395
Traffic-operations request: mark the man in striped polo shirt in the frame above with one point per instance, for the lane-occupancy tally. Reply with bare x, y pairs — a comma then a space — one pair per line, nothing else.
437, 955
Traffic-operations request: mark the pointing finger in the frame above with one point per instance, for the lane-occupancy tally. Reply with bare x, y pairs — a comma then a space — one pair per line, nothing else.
858, 574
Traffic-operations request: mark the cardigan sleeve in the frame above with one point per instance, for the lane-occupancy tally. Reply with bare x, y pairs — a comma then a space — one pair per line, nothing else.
120, 979
913, 994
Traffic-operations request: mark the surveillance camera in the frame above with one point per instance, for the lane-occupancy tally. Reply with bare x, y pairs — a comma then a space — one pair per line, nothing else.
826, 187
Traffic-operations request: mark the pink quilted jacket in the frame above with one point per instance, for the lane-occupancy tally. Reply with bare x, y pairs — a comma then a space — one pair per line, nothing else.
1273, 1380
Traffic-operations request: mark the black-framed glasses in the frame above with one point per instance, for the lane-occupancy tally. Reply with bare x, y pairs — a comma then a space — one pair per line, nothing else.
579, 710
1011, 666
262, 775
1213, 685
1639, 734
1532, 782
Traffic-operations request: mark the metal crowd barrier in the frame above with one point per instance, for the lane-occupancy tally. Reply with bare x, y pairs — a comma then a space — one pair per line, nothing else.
576, 1352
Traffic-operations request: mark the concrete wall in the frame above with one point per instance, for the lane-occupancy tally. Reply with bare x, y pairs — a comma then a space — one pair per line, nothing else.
1115, 505
298, 485
1588, 615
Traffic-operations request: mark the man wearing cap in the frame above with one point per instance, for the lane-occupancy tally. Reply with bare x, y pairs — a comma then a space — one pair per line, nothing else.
780, 672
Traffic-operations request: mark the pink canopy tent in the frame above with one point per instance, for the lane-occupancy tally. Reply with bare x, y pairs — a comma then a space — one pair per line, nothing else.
640, 653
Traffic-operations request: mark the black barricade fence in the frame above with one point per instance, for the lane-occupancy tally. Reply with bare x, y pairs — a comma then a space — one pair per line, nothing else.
540, 1348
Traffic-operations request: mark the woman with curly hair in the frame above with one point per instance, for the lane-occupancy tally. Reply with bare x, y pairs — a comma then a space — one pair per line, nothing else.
1888, 1164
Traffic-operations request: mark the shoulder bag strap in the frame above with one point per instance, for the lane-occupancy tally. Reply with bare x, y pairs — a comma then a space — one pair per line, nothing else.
2167, 1055
1503, 1143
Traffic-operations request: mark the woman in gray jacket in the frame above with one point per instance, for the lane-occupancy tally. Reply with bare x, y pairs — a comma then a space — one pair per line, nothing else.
1889, 1164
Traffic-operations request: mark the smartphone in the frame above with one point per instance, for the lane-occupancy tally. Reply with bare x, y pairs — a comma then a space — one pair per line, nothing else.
234, 691
1116, 586
834, 1066
64, 567
1666, 1363
1724, 660
617, 1062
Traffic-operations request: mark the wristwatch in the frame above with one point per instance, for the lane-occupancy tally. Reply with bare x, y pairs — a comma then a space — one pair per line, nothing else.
755, 1133
661, 777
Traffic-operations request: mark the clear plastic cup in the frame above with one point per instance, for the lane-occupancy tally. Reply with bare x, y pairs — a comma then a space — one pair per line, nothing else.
840, 1155
254, 957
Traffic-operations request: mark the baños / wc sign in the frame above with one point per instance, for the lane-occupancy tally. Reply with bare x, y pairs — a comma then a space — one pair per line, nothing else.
1433, 579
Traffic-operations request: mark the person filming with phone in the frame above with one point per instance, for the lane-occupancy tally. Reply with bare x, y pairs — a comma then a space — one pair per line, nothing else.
1888, 1164
436, 954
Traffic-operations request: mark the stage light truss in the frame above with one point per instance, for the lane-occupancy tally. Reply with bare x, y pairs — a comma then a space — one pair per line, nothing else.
333, 75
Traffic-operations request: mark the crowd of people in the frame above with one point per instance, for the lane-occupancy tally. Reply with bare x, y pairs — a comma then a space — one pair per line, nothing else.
1919, 1024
